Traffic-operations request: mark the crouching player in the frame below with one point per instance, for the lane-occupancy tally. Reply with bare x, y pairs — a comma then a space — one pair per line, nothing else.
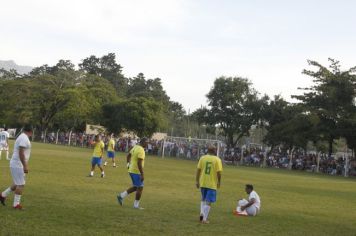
208, 178
250, 207
97, 156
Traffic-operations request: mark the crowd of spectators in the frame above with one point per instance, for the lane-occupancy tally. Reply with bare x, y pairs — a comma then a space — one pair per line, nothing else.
193, 149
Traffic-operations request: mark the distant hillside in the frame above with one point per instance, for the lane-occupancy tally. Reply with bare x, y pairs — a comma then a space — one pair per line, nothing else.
7, 65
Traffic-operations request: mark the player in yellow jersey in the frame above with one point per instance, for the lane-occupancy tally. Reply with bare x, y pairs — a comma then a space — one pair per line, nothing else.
97, 155
111, 151
135, 163
208, 179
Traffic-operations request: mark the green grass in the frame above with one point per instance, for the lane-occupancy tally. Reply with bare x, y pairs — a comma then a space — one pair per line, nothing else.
60, 200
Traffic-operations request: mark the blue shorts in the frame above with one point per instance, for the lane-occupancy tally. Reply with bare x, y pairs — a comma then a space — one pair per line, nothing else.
136, 180
208, 194
111, 154
96, 161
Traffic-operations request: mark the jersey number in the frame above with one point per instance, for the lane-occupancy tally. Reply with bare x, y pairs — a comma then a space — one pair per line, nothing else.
208, 168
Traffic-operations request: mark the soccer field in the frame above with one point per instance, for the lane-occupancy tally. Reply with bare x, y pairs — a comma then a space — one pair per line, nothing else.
60, 200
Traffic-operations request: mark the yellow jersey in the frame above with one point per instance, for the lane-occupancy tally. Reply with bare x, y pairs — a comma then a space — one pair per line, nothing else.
209, 166
137, 152
98, 149
111, 145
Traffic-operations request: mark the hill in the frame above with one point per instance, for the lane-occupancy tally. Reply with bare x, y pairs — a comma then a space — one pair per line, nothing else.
10, 64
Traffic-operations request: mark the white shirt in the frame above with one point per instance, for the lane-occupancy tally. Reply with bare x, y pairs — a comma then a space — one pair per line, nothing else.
24, 142
254, 195
4, 135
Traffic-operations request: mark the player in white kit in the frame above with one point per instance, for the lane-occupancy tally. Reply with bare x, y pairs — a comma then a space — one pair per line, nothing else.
4, 143
19, 167
250, 207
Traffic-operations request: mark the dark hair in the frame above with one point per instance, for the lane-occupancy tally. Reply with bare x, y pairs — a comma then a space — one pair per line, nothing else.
212, 150
27, 128
143, 141
5, 128
249, 186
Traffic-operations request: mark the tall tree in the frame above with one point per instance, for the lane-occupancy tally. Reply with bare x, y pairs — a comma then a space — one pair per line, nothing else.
329, 98
139, 115
234, 106
108, 68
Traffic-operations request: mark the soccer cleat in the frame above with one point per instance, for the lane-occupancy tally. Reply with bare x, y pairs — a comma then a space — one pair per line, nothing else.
205, 222
90, 175
102, 175
105, 163
2, 199
139, 208
120, 200
18, 207
200, 218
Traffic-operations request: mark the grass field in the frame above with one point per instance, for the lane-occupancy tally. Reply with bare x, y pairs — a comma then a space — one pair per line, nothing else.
60, 200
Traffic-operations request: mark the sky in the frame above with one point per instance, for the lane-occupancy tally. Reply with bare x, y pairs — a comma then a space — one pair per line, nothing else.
188, 44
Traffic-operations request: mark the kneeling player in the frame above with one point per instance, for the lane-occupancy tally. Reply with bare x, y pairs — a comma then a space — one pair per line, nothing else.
208, 179
97, 156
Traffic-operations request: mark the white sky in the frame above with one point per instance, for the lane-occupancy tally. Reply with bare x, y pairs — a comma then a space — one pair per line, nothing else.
186, 43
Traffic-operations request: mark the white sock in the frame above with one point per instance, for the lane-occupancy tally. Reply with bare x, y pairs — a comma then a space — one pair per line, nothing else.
124, 194
114, 164
91, 173
17, 199
7, 155
6, 192
202, 204
0, 155
102, 173
105, 163
136, 203
206, 212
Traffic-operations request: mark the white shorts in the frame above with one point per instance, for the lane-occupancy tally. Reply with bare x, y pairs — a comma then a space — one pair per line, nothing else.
4, 147
18, 176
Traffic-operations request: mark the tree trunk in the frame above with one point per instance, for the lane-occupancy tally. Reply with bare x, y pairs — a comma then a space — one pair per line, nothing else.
331, 140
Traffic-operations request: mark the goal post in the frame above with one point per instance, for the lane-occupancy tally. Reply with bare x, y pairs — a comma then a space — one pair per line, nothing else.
189, 148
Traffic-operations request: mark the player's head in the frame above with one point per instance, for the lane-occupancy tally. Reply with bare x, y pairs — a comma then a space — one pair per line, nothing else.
5, 129
211, 150
97, 138
28, 129
249, 188
144, 142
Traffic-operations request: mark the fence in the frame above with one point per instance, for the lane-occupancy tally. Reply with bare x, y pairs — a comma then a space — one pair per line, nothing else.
191, 149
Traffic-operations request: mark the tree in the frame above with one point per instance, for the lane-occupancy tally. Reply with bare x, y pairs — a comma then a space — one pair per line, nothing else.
287, 125
106, 67
234, 106
86, 99
139, 115
329, 99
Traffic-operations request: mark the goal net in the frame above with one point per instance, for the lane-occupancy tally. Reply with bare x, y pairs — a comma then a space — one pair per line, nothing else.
189, 148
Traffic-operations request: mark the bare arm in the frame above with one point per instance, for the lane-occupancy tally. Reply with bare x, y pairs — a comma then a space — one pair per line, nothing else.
102, 152
23, 159
128, 158
250, 203
140, 168
219, 178
197, 178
